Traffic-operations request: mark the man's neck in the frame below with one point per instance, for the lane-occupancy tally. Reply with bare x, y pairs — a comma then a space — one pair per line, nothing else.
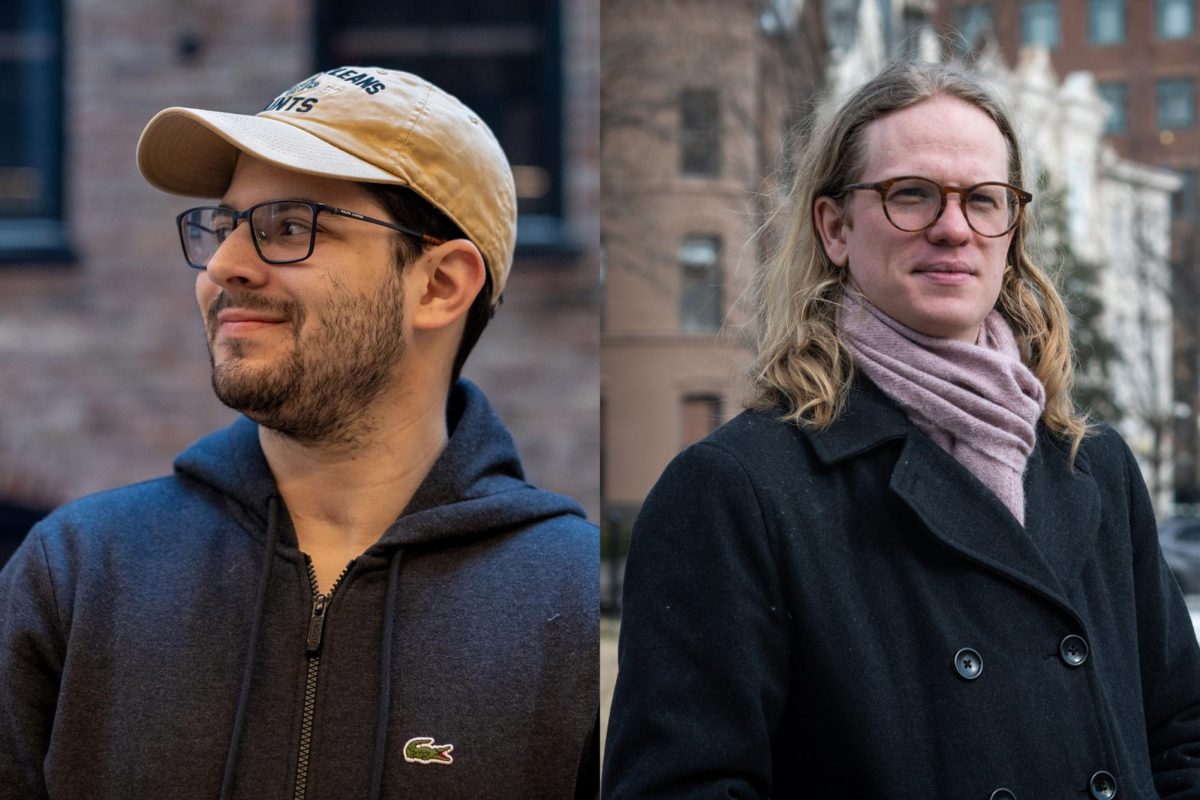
341, 499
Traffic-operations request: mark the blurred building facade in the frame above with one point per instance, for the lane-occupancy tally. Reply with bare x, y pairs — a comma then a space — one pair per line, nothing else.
697, 99
669, 375
1114, 233
105, 371
1144, 56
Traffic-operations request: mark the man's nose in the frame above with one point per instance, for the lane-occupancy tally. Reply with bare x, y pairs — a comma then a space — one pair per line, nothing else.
236, 262
951, 226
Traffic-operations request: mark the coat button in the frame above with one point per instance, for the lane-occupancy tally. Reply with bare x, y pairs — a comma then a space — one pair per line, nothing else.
968, 663
1103, 786
1003, 794
1074, 650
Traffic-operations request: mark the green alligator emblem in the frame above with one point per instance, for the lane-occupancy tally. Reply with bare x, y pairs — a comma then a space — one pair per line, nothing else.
422, 750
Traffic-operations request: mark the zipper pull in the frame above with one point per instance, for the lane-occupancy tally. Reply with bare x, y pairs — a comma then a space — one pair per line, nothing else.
316, 624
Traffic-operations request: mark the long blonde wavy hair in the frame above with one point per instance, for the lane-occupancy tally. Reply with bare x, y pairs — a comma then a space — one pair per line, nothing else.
802, 363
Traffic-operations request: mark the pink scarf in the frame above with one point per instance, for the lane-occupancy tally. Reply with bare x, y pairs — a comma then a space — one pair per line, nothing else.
979, 402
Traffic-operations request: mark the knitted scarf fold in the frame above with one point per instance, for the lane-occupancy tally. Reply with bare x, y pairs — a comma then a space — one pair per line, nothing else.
978, 402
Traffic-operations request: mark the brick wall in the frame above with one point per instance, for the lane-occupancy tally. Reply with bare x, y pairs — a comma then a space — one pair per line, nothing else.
105, 374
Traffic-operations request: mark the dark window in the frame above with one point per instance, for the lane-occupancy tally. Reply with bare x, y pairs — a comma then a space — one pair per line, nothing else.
972, 23
1106, 21
1176, 98
1116, 95
699, 132
31, 146
701, 416
700, 284
1176, 18
504, 60
1039, 23
1183, 202
15, 521
1185, 211
916, 26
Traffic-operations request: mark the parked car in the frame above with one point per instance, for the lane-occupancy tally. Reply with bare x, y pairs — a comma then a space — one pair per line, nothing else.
1180, 540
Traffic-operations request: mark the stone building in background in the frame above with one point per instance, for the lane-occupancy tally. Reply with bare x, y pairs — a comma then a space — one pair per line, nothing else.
1104, 211
697, 100
1116, 225
695, 95
1144, 56
105, 372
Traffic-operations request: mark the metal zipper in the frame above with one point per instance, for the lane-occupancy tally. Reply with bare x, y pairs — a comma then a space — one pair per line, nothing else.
312, 649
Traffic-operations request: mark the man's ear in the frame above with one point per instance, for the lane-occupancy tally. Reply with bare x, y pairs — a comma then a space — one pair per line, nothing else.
831, 222
445, 279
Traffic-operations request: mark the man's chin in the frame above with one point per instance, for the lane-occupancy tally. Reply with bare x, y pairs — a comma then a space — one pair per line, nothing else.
246, 390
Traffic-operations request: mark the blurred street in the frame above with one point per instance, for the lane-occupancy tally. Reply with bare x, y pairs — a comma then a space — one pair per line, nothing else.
609, 629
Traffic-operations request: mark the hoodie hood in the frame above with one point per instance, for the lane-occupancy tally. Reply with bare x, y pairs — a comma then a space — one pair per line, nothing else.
476, 486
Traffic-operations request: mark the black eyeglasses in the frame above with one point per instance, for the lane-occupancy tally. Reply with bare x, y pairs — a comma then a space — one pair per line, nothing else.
284, 231
913, 204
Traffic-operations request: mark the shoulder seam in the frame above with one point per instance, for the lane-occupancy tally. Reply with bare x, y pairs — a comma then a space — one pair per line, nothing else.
61, 625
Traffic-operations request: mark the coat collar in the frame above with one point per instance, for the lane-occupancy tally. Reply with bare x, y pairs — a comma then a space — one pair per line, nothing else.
1062, 501
868, 419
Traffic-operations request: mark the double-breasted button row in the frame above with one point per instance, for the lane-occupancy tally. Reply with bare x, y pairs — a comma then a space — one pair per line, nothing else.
969, 664
1102, 786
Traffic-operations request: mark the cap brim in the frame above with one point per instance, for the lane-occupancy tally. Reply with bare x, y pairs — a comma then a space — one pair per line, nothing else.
192, 152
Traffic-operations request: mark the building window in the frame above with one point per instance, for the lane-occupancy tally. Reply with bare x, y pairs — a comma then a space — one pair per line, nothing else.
1115, 95
1106, 21
1176, 18
973, 22
916, 31
701, 416
1039, 23
699, 132
700, 283
16, 518
1184, 206
1184, 209
31, 138
1176, 100
1183, 202
504, 60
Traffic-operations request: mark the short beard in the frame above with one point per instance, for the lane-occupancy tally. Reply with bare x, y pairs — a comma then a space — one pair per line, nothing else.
320, 392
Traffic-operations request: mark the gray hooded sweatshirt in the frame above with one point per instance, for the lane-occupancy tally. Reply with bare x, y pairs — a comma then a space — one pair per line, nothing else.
149, 649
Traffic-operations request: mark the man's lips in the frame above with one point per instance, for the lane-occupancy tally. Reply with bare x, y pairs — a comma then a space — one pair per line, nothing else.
949, 266
947, 273
236, 321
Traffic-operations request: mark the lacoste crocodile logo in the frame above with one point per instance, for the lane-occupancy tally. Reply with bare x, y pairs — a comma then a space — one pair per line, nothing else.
422, 750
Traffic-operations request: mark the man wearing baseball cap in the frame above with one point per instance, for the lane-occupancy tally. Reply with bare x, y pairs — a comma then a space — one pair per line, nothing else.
351, 592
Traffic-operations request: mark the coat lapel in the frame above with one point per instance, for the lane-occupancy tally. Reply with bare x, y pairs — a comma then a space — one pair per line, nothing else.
1063, 507
967, 517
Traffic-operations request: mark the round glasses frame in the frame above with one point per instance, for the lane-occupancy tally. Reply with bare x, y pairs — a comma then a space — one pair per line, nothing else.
883, 187
182, 223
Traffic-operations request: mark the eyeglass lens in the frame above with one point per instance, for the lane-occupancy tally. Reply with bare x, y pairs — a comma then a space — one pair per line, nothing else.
282, 229
991, 209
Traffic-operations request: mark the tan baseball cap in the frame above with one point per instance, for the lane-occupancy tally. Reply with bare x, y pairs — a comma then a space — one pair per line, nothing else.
355, 123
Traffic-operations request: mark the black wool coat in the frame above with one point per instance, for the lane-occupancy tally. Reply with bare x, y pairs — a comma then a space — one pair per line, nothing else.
850, 613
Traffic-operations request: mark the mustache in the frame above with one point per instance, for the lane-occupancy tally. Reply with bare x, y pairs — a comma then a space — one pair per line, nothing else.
287, 309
